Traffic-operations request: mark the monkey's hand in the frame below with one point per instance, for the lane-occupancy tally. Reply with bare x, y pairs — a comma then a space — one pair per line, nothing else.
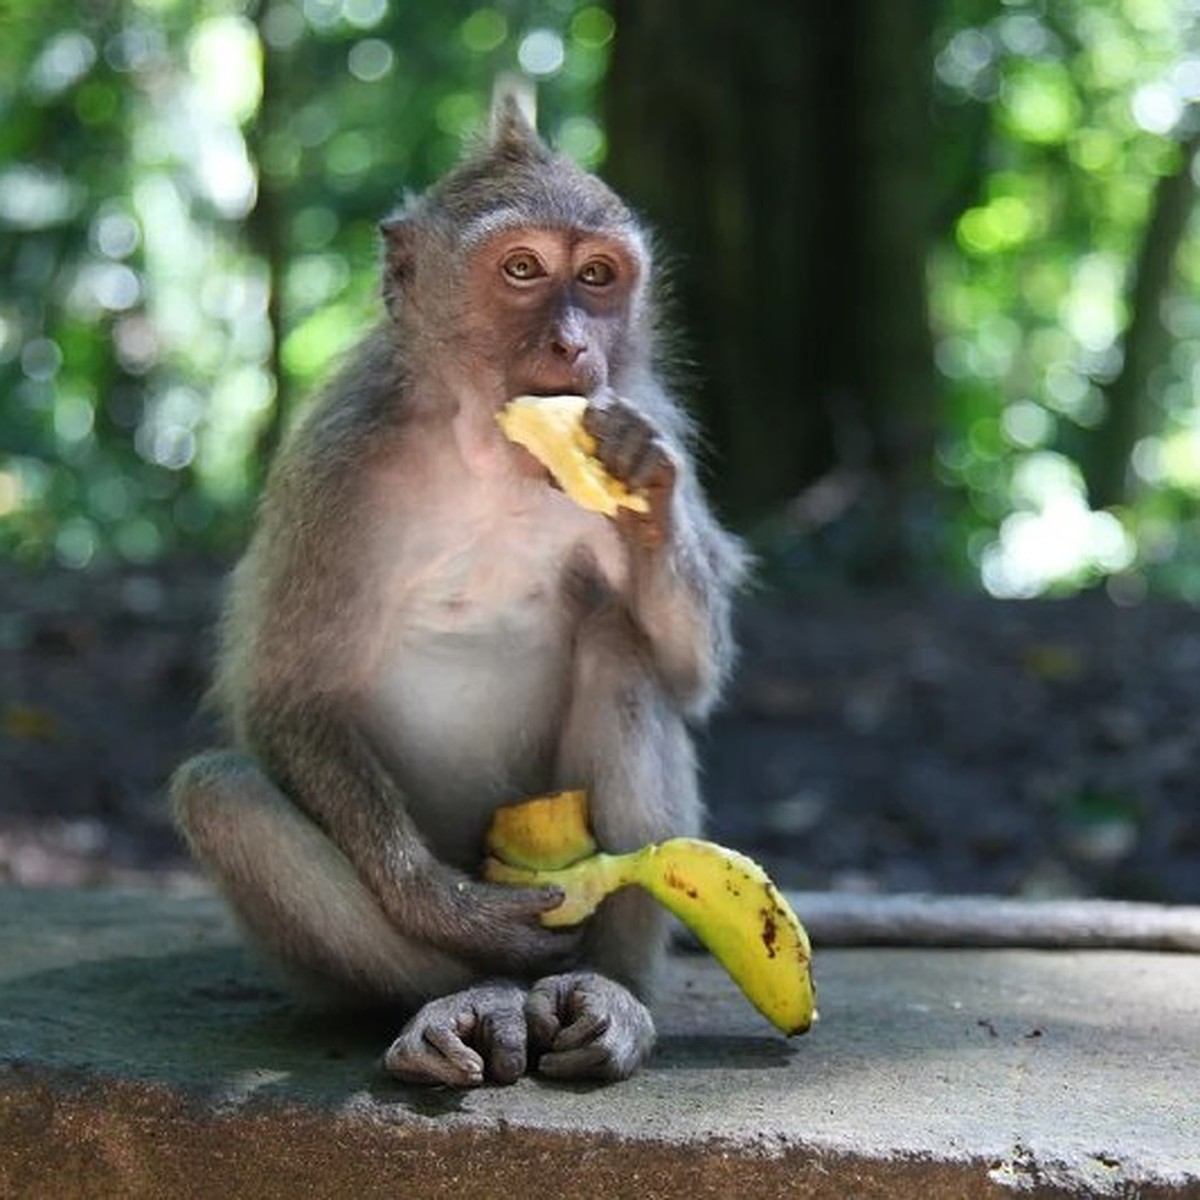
629, 449
493, 927
463, 1039
584, 1026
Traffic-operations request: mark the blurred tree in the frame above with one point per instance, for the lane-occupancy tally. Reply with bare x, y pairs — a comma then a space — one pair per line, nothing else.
788, 167
189, 191
188, 231
1129, 414
122, 294
1065, 289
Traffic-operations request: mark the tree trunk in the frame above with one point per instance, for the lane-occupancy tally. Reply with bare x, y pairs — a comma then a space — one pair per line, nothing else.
1128, 397
267, 232
791, 178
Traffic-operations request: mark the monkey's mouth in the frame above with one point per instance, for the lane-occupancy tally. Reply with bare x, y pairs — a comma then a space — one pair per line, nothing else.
577, 384
543, 392
581, 378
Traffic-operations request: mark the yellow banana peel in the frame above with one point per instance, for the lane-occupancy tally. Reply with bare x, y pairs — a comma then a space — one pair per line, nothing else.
551, 429
723, 897
544, 833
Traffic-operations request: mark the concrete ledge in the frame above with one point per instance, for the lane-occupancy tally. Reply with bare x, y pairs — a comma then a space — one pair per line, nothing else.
143, 1054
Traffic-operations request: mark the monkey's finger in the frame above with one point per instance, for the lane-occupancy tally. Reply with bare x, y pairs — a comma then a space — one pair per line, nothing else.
525, 902
416, 1057
590, 1025
597, 1060
612, 419
454, 1061
610, 1034
542, 1010
503, 1039
632, 462
652, 470
599, 417
621, 436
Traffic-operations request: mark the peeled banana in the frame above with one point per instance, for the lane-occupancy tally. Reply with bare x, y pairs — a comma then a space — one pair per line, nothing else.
723, 897
542, 834
551, 429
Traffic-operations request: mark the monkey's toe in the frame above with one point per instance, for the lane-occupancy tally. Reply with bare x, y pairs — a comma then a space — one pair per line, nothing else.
433, 1056
464, 1039
588, 1027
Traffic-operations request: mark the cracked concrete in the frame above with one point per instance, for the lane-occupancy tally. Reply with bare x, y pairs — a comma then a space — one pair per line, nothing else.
142, 1053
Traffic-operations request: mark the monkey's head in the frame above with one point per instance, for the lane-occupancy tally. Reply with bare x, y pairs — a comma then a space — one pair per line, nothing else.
531, 269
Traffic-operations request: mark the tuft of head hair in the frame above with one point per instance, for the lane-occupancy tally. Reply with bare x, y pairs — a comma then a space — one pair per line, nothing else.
512, 177
509, 178
512, 135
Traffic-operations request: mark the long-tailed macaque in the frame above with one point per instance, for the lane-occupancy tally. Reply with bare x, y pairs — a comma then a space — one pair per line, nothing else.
423, 628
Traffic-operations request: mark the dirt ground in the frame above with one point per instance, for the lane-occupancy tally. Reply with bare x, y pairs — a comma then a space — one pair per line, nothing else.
902, 742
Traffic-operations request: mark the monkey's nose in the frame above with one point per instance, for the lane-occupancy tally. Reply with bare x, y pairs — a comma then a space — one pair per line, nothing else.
567, 348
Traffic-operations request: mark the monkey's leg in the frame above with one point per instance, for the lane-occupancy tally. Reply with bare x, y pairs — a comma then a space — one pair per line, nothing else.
296, 894
629, 747
301, 900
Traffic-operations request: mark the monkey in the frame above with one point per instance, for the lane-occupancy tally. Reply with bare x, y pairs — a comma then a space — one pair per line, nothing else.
423, 628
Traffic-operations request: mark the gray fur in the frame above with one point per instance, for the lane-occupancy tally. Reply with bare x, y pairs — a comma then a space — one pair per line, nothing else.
422, 630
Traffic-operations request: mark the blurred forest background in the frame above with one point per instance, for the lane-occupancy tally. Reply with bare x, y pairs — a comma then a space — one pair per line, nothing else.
936, 263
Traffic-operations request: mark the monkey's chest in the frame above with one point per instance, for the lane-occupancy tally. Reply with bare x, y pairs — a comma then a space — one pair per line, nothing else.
467, 718
471, 692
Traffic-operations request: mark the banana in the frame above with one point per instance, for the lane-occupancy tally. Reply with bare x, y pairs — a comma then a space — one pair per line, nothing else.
544, 833
723, 897
551, 429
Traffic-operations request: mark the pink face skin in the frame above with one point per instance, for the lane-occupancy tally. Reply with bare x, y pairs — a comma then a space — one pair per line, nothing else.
560, 303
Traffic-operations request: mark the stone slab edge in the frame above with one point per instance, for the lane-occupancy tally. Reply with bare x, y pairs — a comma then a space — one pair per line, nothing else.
77, 1136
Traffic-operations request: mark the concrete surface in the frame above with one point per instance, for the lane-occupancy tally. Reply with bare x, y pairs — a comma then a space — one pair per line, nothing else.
143, 1054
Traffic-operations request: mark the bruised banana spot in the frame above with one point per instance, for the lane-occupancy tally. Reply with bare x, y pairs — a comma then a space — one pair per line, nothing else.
770, 933
673, 879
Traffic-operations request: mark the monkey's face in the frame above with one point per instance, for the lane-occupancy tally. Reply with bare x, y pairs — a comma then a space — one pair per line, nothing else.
556, 307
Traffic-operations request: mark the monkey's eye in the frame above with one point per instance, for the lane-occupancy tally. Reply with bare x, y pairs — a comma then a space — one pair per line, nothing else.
522, 266
597, 272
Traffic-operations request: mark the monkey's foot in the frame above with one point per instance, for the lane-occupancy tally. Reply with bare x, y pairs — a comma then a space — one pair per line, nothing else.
463, 1039
584, 1026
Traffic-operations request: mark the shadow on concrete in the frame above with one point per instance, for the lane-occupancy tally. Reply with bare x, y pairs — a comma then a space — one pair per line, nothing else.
143, 1021
211, 1022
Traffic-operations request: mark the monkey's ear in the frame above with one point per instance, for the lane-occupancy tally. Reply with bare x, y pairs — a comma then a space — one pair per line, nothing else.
399, 254
513, 135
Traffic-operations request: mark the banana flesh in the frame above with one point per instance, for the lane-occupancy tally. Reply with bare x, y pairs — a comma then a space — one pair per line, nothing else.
551, 429
544, 833
723, 897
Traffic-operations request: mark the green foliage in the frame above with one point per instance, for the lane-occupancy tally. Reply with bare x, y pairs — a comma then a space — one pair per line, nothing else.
189, 191
1073, 111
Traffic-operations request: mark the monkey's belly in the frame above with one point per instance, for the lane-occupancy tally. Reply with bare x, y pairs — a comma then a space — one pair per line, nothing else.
466, 727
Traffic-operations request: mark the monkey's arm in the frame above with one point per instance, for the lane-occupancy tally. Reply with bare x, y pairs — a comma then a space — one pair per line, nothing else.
684, 566
681, 600
320, 759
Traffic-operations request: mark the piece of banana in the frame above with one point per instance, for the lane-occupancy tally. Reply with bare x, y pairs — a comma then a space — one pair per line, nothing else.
551, 429
544, 833
723, 897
